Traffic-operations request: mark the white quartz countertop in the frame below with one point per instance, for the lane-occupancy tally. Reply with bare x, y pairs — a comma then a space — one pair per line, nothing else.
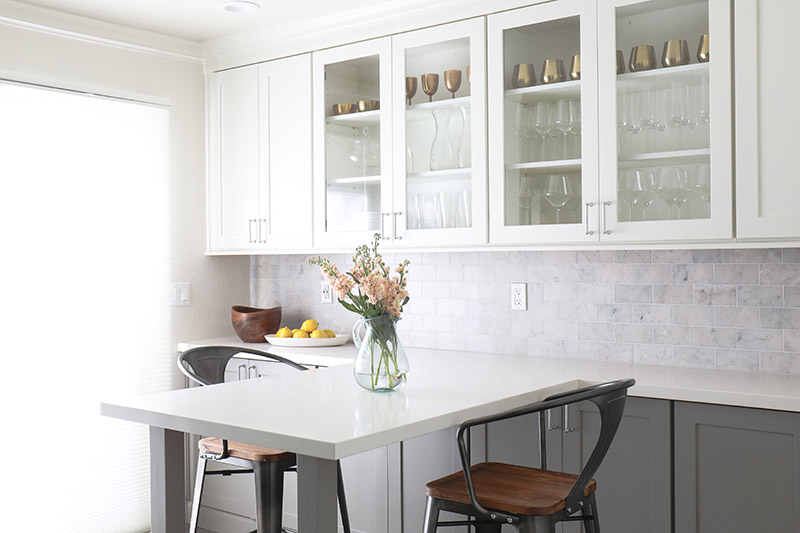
745, 389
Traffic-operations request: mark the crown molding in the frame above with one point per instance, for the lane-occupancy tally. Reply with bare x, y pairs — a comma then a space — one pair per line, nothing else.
81, 28
327, 30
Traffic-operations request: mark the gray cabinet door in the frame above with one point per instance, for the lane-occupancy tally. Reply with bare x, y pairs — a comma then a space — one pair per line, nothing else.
736, 469
633, 482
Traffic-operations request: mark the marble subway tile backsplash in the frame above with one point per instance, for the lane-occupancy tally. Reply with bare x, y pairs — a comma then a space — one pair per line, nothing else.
726, 309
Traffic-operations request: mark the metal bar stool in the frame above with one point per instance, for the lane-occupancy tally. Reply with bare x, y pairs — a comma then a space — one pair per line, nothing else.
531, 499
206, 366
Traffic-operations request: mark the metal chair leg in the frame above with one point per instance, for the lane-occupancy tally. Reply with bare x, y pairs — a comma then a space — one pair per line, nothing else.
592, 526
198, 493
269, 497
432, 506
342, 498
537, 524
485, 527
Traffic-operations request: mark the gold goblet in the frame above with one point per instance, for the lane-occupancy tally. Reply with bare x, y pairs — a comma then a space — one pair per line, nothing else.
620, 62
523, 75
643, 57
575, 68
344, 109
702, 49
553, 71
676, 53
368, 105
430, 84
452, 81
411, 88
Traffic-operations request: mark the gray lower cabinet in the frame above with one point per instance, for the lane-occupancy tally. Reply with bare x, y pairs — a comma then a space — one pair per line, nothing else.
737, 469
634, 490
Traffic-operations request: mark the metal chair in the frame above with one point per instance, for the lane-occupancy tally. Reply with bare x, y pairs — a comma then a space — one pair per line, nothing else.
531, 499
206, 366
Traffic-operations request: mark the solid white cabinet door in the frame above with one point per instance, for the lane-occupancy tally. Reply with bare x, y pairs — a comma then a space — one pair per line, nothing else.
543, 176
233, 157
767, 116
665, 120
445, 203
285, 153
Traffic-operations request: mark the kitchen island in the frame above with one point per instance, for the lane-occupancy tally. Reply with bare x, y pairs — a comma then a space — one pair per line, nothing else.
325, 416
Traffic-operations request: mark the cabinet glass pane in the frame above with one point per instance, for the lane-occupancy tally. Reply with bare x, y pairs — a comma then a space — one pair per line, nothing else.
352, 145
663, 111
438, 143
542, 120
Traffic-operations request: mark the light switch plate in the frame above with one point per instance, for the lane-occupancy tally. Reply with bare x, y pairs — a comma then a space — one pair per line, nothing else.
179, 293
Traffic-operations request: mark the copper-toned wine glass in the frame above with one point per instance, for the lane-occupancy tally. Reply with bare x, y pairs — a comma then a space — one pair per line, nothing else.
676, 52
452, 81
523, 75
553, 71
430, 84
702, 49
575, 68
643, 57
411, 88
620, 62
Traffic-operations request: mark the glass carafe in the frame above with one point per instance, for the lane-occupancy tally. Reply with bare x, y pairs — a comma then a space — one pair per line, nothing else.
442, 156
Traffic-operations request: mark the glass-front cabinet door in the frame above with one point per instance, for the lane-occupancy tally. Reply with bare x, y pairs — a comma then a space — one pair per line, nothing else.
352, 143
439, 135
665, 119
543, 133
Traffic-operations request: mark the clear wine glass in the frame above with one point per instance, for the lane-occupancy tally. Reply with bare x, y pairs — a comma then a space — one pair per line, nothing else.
677, 110
525, 194
557, 192
575, 131
565, 120
542, 123
671, 186
631, 188
700, 183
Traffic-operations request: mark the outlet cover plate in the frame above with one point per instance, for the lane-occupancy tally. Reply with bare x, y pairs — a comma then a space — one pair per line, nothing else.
519, 296
326, 293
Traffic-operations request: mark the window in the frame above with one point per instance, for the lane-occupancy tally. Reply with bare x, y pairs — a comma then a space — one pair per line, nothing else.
84, 278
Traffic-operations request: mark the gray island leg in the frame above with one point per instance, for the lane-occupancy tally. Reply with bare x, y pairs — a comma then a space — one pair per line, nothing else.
166, 481
316, 495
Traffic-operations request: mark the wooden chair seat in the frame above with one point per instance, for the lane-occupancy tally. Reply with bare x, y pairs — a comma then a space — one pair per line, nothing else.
509, 488
248, 452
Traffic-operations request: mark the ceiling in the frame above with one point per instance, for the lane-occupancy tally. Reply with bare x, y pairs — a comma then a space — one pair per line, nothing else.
199, 20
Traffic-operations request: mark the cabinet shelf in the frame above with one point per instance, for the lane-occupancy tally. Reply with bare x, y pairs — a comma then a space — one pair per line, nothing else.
661, 78
547, 167
422, 111
364, 118
448, 174
545, 93
700, 155
355, 180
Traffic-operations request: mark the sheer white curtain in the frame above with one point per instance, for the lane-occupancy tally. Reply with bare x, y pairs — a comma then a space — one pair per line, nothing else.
85, 273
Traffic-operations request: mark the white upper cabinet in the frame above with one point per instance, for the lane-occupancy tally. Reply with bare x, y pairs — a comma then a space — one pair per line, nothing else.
543, 127
439, 136
259, 190
352, 143
665, 120
767, 116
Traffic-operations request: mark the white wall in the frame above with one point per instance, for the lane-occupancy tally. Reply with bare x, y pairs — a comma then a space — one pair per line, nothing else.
31, 53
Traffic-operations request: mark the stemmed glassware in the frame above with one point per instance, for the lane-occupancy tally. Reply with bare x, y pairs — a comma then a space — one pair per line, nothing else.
671, 186
452, 81
430, 84
631, 188
542, 123
700, 184
565, 119
558, 191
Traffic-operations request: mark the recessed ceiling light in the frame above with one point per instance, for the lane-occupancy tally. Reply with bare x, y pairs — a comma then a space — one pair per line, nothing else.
239, 6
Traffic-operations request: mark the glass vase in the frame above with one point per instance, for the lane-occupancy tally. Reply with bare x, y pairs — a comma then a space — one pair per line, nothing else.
381, 363
464, 145
442, 157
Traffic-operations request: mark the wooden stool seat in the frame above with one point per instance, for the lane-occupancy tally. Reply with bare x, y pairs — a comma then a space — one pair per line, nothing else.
248, 452
519, 490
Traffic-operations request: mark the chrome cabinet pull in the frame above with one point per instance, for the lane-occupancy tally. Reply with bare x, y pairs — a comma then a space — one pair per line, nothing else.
250, 223
567, 427
550, 425
242, 367
250, 371
383, 228
262, 237
606, 231
586, 218
394, 226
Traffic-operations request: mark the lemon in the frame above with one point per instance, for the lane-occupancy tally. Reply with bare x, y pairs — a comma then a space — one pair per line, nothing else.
309, 325
319, 334
284, 333
329, 333
300, 334
295, 330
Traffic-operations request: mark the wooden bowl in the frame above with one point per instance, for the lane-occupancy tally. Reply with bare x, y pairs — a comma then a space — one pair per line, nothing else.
251, 324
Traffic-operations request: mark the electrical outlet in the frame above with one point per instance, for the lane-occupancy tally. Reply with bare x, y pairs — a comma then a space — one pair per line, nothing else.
326, 296
519, 296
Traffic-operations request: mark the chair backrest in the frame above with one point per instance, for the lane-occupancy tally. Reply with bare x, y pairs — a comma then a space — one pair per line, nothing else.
610, 400
206, 364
